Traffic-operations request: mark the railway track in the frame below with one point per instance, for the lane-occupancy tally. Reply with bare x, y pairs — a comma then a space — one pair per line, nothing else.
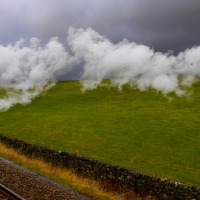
9, 194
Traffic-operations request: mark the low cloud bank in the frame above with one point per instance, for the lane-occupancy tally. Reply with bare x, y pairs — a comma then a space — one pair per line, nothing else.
28, 70
128, 62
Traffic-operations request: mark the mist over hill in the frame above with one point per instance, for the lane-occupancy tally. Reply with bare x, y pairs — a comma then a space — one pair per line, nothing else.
28, 70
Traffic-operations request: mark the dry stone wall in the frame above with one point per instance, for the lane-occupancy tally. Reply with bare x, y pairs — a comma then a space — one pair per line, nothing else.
106, 173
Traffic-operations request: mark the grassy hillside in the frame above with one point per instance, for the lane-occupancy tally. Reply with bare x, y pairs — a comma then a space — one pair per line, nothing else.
143, 131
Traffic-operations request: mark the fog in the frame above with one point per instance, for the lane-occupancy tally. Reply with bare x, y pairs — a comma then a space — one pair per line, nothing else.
29, 68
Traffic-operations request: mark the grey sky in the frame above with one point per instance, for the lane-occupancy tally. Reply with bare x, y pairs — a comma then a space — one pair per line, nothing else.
162, 25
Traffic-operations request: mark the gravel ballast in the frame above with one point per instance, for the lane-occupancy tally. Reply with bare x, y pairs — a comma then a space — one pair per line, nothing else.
32, 186
2, 196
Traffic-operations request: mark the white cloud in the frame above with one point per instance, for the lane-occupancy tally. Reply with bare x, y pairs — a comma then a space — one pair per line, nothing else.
127, 62
26, 71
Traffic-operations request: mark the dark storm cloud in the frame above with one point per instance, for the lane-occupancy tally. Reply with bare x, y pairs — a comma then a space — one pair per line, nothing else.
163, 25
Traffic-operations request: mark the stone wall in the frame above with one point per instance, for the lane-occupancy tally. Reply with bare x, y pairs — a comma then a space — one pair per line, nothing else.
112, 175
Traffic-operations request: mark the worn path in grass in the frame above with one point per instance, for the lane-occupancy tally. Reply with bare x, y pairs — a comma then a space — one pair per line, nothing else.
143, 131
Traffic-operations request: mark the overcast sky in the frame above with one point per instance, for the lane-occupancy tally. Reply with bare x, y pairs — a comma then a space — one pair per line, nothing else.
162, 25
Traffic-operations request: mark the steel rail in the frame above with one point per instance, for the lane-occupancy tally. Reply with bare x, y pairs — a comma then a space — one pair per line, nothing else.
9, 193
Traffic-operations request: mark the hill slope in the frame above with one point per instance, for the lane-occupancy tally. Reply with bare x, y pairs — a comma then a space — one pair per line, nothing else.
143, 131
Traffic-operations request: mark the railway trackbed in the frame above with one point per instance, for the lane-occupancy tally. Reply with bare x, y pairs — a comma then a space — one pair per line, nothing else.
8, 194
31, 186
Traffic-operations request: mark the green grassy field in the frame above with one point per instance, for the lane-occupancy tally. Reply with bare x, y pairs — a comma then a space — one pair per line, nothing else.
142, 131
